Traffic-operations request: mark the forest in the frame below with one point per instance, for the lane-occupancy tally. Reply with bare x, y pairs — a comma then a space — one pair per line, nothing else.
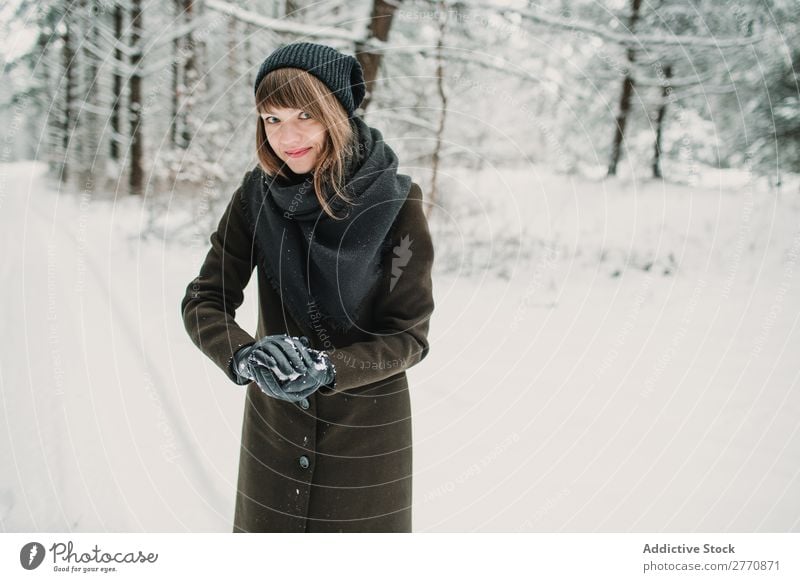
152, 98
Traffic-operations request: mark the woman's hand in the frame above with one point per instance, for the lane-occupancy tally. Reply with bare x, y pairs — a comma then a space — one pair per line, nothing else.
321, 368
317, 369
283, 367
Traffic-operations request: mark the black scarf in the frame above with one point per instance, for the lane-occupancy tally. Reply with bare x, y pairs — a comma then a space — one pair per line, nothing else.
323, 268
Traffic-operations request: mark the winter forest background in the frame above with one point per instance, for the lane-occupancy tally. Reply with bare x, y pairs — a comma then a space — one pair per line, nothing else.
615, 205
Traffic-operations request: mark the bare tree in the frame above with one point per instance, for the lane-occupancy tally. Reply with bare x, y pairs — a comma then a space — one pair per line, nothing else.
379, 26
662, 110
175, 79
116, 97
442, 14
68, 111
135, 106
625, 95
91, 162
189, 76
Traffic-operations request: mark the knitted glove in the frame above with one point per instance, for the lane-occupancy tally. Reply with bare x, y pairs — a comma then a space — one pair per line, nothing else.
322, 368
279, 365
271, 362
317, 370
294, 391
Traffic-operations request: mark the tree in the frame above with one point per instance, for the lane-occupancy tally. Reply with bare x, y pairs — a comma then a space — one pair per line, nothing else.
116, 123
662, 111
776, 144
380, 24
135, 106
625, 94
69, 79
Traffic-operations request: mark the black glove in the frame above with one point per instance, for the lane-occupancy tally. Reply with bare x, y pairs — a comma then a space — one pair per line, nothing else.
278, 364
301, 388
320, 367
317, 370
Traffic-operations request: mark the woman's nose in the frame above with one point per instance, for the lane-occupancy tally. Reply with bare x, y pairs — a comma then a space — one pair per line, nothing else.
290, 136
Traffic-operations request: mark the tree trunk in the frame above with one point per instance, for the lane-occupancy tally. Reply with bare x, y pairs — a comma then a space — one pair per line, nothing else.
91, 160
248, 55
68, 61
625, 99
290, 7
233, 55
116, 98
136, 178
176, 74
379, 27
443, 98
189, 76
52, 122
662, 110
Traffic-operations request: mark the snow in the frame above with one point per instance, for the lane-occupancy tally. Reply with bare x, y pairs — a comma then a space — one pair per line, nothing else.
282, 25
625, 38
284, 377
605, 356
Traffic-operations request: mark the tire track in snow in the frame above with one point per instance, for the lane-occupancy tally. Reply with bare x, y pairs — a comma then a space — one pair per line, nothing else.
192, 467
32, 420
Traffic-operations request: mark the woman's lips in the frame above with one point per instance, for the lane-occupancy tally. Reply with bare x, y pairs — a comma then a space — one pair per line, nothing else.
298, 153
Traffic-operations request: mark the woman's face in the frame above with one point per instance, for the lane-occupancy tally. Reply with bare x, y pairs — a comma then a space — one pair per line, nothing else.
295, 136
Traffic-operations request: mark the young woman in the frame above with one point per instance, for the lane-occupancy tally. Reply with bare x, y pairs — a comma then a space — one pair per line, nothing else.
344, 259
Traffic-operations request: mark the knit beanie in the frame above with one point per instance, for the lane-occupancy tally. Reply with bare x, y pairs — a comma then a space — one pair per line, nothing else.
340, 73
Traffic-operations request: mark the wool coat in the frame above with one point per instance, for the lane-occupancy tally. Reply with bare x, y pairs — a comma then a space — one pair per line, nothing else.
341, 460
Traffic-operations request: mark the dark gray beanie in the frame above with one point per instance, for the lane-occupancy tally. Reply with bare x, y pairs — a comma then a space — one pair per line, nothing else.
340, 73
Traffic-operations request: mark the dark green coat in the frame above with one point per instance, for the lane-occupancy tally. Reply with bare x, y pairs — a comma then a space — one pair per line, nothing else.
342, 460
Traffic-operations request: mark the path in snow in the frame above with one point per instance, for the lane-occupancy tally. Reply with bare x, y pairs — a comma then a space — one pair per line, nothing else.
97, 438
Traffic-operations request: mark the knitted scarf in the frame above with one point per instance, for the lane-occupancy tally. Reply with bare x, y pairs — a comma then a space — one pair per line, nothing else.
323, 268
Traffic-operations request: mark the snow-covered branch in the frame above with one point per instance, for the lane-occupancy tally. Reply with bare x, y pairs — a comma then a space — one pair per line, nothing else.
286, 26
180, 31
626, 39
108, 35
675, 83
482, 60
105, 56
410, 119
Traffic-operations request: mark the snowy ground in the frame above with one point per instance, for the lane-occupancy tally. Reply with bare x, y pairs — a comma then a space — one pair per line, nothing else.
605, 356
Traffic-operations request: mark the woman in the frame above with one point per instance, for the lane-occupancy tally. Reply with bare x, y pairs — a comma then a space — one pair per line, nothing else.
344, 259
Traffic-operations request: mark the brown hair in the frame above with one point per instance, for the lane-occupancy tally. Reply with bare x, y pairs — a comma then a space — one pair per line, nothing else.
294, 88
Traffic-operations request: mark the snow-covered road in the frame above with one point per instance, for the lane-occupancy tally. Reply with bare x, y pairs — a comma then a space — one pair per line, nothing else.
97, 431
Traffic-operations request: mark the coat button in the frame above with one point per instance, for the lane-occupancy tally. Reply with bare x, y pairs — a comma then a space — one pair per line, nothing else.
304, 404
304, 462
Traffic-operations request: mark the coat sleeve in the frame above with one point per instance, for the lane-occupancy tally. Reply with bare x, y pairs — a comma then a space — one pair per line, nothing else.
212, 298
402, 310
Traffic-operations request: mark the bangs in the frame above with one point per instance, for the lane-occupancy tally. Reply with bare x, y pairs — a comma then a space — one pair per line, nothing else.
288, 88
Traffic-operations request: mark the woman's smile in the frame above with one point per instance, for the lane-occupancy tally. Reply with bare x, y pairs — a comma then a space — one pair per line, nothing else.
298, 153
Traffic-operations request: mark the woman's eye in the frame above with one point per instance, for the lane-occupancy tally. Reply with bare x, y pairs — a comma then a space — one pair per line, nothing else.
268, 119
